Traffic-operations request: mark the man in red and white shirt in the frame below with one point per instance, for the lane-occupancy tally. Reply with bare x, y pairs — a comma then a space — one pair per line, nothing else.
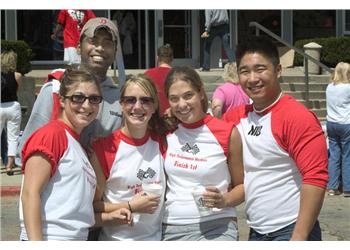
284, 151
72, 22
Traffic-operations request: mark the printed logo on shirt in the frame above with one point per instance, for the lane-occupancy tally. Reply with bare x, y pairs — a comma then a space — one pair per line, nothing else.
187, 148
150, 173
255, 130
111, 112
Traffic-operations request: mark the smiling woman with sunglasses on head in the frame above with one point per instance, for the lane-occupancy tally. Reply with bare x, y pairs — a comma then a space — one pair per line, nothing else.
59, 183
127, 160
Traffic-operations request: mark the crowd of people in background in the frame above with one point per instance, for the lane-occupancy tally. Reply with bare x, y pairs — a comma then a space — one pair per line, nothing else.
90, 151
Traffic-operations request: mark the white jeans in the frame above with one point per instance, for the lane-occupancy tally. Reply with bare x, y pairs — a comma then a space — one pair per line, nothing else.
10, 116
71, 55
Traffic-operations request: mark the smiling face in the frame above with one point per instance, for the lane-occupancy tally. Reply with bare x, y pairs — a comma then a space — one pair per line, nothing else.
186, 102
79, 115
98, 53
259, 79
138, 108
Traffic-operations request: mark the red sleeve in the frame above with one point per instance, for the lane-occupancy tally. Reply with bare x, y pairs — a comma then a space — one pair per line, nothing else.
301, 135
61, 19
237, 113
222, 131
51, 141
106, 149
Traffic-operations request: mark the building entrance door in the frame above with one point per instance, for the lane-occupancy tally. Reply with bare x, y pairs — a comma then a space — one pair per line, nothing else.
179, 28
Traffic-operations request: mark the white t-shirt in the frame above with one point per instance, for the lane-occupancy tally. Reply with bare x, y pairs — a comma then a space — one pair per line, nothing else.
127, 163
67, 200
196, 156
338, 103
283, 148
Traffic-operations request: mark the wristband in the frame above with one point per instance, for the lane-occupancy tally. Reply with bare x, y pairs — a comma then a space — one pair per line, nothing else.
129, 206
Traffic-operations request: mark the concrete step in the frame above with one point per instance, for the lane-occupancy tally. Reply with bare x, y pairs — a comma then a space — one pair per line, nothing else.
301, 95
300, 86
315, 103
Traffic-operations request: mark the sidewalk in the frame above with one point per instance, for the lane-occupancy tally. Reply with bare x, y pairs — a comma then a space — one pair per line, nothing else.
10, 185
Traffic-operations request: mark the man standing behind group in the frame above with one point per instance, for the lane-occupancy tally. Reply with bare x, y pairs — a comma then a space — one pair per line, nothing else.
98, 47
72, 22
285, 152
216, 24
159, 74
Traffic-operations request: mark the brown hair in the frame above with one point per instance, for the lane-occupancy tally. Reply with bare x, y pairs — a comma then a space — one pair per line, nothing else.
165, 53
74, 75
189, 75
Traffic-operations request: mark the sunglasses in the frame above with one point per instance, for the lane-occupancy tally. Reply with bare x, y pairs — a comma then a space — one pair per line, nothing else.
131, 100
94, 99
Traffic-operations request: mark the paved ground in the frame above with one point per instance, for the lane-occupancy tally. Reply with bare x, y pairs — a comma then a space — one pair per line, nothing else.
334, 217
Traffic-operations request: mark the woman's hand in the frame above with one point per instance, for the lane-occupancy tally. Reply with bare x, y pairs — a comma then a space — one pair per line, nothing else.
144, 203
214, 198
120, 217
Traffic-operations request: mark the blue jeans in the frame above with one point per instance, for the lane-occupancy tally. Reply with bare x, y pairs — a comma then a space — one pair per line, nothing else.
223, 32
339, 155
285, 234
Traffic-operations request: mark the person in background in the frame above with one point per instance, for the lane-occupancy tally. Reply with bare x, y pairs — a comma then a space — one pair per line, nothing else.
4, 147
158, 74
202, 152
285, 152
338, 130
129, 158
71, 22
216, 24
58, 187
230, 94
99, 40
10, 108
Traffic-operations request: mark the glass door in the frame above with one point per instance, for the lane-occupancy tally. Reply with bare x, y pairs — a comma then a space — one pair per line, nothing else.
179, 28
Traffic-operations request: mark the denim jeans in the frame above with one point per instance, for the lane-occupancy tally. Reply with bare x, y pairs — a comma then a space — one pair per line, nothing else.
223, 32
285, 234
339, 155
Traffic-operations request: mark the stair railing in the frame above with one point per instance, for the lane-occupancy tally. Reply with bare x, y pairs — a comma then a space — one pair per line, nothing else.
306, 57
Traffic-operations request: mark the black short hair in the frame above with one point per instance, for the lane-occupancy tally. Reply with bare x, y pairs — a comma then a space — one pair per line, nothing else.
258, 44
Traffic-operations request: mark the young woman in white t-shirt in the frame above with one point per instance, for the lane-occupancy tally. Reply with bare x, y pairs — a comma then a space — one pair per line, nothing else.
58, 182
127, 160
203, 152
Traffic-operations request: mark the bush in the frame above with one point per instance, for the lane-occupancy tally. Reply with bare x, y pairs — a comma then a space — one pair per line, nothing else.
24, 54
334, 50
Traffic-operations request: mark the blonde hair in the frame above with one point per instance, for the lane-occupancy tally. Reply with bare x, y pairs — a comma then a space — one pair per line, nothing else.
156, 124
8, 61
230, 73
341, 73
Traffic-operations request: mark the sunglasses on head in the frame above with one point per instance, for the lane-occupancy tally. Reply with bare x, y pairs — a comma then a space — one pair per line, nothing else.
144, 100
93, 99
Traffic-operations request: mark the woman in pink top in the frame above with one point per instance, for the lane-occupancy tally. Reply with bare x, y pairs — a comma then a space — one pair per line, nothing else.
228, 95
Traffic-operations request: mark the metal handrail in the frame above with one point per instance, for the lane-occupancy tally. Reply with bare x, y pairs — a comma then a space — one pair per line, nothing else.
306, 57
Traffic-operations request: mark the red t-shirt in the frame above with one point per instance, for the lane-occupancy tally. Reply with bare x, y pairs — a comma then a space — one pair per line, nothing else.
158, 76
73, 21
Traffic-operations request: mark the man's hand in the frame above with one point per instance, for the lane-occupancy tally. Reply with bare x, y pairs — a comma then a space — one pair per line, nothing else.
205, 34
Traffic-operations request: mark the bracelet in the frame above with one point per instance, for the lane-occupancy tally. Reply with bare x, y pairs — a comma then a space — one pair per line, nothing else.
129, 206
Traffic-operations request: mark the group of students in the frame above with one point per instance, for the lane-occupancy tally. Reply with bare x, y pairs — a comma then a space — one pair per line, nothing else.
93, 151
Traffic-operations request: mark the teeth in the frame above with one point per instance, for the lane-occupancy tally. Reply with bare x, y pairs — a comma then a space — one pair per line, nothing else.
98, 58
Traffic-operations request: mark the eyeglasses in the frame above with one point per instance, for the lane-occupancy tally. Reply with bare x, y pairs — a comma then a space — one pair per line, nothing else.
131, 100
94, 99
